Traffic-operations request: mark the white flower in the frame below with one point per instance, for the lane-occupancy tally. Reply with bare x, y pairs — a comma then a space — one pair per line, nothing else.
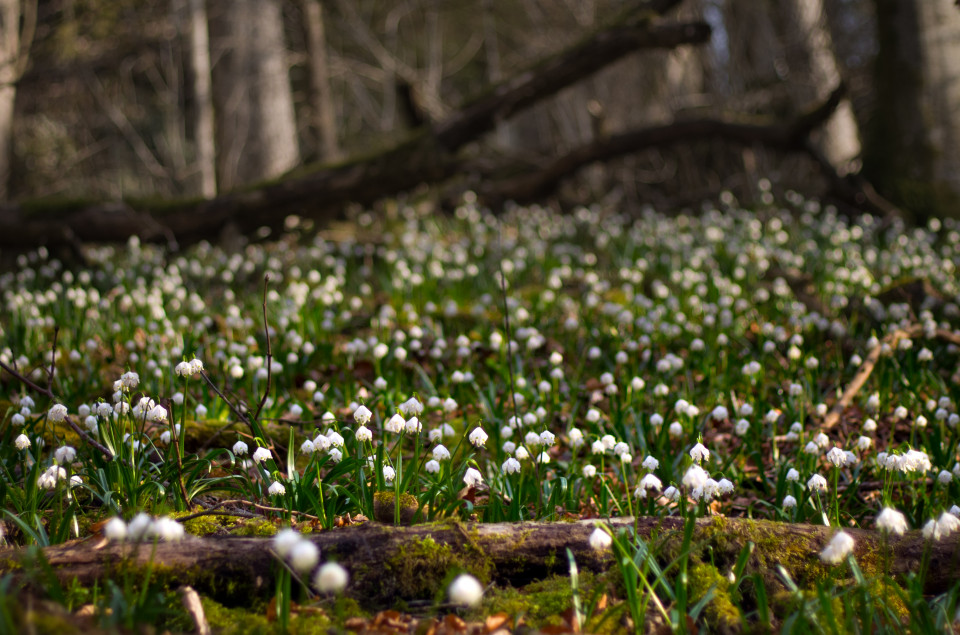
49, 478
472, 477
65, 454
362, 415
277, 488
331, 578
944, 477
672, 494
394, 424
621, 448
167, 529
115, 529
511, 466
363, 433
389, 473
478, 437
465, 590
589, 471
593, 415
649, 481
600, 540
18, 419
130, 380
789, 501
411, 406
57, 413
521, 453
304, 556
840, 546
675, 430
285, 540
22, 442
139, 527
165, 437
157, 414
240, 448
695, 477
836, 456
547, 438
576, 437
413, 426
817, 483
741, 427
650, 463
699, 453
335, 438
891, 521
432, 466
725, 486
719, 413
793, 475
260, 455
307, 447
183, 369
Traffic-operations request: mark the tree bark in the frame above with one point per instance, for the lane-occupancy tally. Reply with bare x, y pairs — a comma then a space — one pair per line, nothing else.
322, 110
320, 191
256, 129
17, 23
203, 100
388, 564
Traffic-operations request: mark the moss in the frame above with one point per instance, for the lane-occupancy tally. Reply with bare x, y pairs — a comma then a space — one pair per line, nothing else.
384, 507
254, 527
421, 567
241, 621
209, 525
721, 613
539, 603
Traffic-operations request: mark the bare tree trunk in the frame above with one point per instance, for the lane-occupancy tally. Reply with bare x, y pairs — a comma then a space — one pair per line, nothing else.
813, 72
322, 109
15, 39
256, 130
912, 151
203, 99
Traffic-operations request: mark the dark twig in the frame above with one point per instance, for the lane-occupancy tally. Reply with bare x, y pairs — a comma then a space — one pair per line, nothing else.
238, 501
233, 408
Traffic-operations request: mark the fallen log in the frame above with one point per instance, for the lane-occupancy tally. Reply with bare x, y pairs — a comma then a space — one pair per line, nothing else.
388, 564
322, 191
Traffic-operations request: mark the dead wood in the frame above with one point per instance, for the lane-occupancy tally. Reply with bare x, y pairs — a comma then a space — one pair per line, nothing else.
388, 564
322, 191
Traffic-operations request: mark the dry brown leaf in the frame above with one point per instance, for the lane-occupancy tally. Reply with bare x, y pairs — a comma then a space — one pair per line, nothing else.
495, 622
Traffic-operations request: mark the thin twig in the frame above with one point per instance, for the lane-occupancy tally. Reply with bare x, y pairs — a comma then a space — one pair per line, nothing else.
233, 408
239, 501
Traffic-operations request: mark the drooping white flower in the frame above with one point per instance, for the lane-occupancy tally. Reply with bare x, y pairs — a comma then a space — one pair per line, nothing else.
240, 448
839, 547
285, 540
363, 434
891, 521
389, 473
478, 437
465, 590
472, 477
511, 466
789, 502
65, 454
260, 455
699, 453
394, 424
362, 415
410, 407
57, 413
600, 540
277, 488
22, 442
432, 466
331, 578
817, 483
304, 556
115, 529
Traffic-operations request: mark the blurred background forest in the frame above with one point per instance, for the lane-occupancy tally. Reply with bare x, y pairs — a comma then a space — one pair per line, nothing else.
113, 99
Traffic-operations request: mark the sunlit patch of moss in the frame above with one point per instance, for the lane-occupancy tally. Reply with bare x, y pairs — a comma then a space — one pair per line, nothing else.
254, 527
208, 525
721, 613
539, 603
384, 507
241, 621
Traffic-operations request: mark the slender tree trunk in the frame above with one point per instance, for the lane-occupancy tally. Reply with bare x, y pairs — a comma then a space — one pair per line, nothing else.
256, 130
323, 113
17, 22
203, 98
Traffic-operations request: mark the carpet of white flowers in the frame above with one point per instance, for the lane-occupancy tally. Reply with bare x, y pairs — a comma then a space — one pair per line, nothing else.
495, 368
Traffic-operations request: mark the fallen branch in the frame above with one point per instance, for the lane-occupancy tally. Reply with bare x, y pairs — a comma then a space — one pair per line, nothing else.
870, 362
321, 192
388, 563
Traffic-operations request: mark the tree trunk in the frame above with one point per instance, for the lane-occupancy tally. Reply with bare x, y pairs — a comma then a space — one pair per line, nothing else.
911, 149
323, 113
813, 71
202, 98
388, 564
16, 34
321, 192
256, 128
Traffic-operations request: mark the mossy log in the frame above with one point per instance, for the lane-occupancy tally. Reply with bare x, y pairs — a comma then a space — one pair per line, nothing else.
391, 564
